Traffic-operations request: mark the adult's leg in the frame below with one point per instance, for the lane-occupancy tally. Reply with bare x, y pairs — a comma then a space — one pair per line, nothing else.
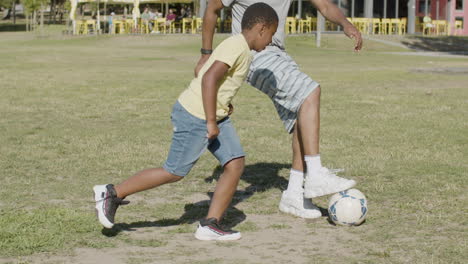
306, 130
226, 187
319, 181
308, 123
144, 180
292, 199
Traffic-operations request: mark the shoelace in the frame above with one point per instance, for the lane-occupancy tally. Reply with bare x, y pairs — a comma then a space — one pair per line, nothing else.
118, 200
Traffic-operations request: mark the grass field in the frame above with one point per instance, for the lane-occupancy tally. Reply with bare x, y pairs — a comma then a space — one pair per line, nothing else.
80, 111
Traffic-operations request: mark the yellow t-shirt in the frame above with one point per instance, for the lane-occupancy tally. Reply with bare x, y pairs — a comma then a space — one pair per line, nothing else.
235, 52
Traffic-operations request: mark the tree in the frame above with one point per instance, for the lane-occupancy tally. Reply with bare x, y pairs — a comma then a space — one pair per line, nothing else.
31, 7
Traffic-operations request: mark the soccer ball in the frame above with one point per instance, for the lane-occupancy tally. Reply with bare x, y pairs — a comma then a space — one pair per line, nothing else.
348, 207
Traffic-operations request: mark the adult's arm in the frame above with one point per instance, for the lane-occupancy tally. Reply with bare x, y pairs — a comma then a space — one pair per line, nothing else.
210, 82
208, 28
334, 14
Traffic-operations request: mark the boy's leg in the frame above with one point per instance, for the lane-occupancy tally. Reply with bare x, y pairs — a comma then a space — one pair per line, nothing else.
209, 228
144, 180
109, 197
228, 150
189, 142
226, 187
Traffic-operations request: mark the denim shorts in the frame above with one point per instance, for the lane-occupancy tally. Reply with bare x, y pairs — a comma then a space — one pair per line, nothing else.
189, 142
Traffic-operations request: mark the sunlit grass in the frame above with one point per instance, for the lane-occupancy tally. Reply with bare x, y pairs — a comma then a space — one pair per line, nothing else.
79, 111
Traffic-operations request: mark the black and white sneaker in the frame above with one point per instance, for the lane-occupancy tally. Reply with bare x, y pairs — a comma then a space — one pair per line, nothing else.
107, 203
209, 229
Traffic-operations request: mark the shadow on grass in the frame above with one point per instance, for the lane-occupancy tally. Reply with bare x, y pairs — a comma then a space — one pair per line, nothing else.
260, 176
450, 44
10, 27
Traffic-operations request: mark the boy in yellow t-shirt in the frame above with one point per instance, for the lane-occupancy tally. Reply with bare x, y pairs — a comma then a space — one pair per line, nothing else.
201, 121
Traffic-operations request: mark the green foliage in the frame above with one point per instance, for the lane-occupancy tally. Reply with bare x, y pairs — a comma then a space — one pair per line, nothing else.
7, 3
33, 5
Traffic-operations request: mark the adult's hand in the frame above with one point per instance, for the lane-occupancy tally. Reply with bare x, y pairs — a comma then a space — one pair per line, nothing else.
352, 32
200, 63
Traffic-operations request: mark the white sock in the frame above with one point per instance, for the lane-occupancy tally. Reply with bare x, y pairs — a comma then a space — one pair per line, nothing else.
296, 179
313, 164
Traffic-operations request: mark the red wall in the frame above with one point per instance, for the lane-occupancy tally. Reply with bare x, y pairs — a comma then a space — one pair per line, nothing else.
444, 6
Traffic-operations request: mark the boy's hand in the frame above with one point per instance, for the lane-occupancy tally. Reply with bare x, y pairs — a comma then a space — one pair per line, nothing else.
355, 35
213, 130
201, 62
231, 109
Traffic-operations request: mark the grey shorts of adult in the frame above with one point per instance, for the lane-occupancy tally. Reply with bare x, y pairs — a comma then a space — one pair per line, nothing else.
276, 74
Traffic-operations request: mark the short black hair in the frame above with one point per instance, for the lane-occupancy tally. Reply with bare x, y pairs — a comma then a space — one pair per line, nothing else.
259, 13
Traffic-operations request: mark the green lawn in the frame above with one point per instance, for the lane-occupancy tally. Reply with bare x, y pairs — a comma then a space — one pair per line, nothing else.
80, 111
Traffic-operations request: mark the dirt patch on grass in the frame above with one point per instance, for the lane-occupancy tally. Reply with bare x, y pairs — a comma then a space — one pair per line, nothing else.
274, 238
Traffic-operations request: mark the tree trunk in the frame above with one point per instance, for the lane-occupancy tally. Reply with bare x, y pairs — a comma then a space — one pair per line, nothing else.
61, 14
42, 16
52, 12
13, 10
33, 22
27, 22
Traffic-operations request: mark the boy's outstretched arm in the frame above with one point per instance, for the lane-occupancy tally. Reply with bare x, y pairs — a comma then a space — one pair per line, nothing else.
208, 28
210, 86
335, 15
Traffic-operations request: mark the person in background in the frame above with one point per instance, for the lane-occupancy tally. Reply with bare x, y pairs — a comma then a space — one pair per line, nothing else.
111, 23
170, 17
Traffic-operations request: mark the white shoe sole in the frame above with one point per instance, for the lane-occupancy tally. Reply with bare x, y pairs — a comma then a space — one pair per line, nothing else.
98, 189
205, 236
309, 214
317, 192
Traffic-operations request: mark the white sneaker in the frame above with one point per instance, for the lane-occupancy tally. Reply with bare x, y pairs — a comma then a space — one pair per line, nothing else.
209, 229
107, 203
325, 183
297, 205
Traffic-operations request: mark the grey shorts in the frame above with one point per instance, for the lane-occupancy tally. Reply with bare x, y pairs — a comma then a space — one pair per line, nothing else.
189, 142
276, 74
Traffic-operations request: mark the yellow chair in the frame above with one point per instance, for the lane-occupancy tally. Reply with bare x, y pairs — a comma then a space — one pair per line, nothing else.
362, 24
143, 26
386, 25
402, 26
129, 25
305, 25
458, 27
376, 26
160, 25
79, 27
290, 25
89, 27
313, 23
441, 27
394, 25
428, 28
187, 25
119, 27
330, 26
175, 27
218, 25
227, 23
197, 25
